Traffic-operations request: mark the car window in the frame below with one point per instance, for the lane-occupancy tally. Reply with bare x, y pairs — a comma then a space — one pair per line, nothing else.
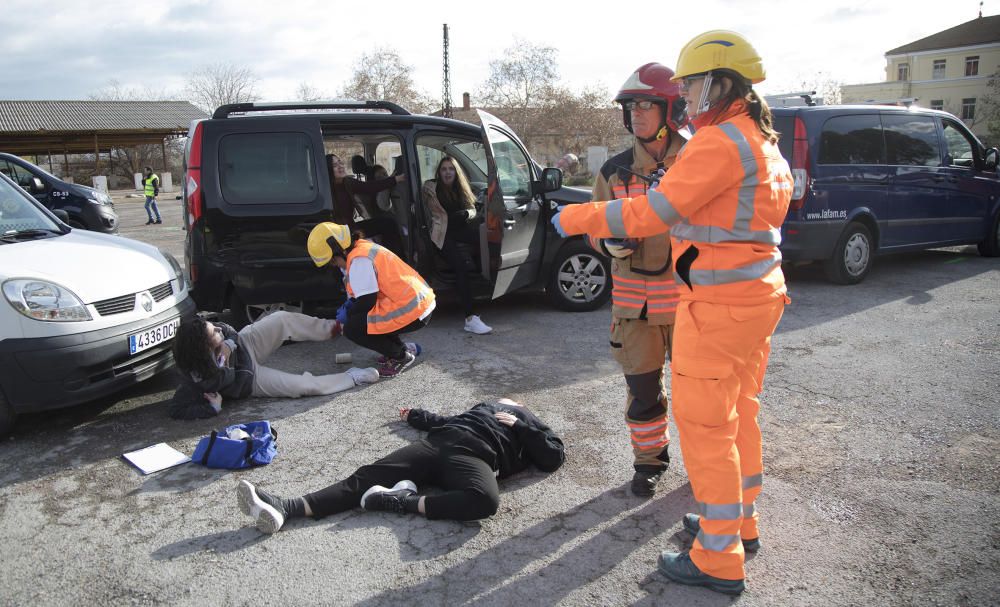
18, 212
469, 154
386, 154
513, 167
18, 173
958, 147
267, 168
911, 140
855, 139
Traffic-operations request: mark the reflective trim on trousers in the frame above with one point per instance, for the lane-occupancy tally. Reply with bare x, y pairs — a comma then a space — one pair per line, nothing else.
753, 271
718, 543
754, 480
716, 234
619, 298
720, 512
749, 510
662, 207
650, 443
657, 425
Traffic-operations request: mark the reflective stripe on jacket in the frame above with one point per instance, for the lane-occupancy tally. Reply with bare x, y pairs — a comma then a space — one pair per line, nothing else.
151, 185
403, 296
724, 201
645, 278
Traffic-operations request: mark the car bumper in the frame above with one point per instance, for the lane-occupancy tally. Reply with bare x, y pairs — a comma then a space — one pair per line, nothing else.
809, 240
52, 372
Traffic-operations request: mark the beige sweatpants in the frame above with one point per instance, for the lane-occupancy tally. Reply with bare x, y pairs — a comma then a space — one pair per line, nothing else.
265, 336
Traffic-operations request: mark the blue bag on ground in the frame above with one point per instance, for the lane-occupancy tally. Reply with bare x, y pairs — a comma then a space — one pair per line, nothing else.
218, 450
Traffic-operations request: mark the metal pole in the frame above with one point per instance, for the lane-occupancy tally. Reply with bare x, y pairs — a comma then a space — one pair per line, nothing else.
163, 153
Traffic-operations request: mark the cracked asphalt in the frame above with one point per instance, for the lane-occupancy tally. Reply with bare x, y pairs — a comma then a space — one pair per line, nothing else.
881, 482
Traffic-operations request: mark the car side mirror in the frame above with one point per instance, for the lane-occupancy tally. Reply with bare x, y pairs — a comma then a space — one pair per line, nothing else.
35, 186
62, 215
991, 158
551, 179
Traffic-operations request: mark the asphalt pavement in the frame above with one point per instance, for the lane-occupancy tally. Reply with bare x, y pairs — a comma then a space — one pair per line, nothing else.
882, 481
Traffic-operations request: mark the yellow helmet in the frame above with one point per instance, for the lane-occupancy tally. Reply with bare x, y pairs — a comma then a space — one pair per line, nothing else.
720, 50
319, 241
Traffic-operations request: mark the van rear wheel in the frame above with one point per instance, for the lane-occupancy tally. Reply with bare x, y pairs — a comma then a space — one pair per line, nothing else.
852, 257
990, 246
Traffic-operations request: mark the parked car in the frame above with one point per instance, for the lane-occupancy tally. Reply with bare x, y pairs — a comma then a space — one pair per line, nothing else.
880, 179
82, 314
85, 207
256, 183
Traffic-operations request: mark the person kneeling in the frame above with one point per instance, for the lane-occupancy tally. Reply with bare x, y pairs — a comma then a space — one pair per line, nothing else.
464, 455
389, 297
216, 362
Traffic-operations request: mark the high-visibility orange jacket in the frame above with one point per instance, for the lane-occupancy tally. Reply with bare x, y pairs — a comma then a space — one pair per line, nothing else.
644, 279
723, 201
403, 296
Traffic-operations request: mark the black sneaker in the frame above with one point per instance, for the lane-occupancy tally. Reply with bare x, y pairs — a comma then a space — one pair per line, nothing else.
644, 483
394, 366
692, 524
266, 509
150, 222
389, 500
158, 221
681, 569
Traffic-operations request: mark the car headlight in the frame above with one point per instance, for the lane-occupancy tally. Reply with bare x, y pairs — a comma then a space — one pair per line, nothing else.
44, 300
178, 271
99, 197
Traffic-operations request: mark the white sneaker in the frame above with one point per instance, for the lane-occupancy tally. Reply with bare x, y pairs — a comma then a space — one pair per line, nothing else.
269, 517
368, 375
473, 324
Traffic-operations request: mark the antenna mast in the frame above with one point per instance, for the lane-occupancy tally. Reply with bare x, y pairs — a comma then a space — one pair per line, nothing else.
446, 81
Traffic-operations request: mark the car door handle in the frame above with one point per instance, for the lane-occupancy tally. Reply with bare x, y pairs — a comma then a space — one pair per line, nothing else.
937, 178
953, 180
509, 223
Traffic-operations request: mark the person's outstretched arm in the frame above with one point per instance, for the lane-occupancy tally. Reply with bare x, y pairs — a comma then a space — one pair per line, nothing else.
543, 447
423, 420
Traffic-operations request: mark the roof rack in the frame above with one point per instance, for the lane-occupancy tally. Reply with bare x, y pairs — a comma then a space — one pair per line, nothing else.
224, 111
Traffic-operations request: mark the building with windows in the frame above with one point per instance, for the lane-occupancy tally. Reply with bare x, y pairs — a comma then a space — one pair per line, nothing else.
949, 71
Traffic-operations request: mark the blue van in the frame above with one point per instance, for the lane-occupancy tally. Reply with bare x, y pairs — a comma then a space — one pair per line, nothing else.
883, 179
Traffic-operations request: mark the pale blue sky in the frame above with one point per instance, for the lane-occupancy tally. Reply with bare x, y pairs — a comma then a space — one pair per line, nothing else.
67, 49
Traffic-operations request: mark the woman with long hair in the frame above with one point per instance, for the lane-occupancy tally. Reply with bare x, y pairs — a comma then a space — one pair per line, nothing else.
452, 209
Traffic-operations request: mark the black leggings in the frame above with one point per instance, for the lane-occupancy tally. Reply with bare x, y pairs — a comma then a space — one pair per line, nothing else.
470, 486
386, 344
457, 259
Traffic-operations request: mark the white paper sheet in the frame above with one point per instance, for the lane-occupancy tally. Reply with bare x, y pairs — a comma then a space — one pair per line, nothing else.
155, 458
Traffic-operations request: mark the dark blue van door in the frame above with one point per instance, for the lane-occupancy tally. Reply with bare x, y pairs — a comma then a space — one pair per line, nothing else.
969, 189
918, 197
850, 173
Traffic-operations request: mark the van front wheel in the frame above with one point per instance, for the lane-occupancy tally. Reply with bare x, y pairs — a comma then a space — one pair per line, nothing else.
580, 278
990, 246
852, 257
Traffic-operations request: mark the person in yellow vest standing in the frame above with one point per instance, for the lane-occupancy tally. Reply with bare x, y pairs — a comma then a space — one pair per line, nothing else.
151, 188
723, 202
389, 297
644, 294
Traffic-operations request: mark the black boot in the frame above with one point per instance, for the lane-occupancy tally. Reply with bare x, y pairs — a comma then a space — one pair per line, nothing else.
681, 569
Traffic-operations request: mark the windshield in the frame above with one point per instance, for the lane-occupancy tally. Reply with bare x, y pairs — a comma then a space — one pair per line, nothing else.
19, 213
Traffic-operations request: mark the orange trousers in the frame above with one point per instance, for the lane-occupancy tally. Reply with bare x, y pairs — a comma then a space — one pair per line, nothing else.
720, 355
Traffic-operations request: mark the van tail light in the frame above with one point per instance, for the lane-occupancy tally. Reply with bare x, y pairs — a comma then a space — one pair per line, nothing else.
193, 185
800, 166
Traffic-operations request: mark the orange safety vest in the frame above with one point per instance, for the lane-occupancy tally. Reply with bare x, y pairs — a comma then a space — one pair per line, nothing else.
403, 295
724, 201
644, 279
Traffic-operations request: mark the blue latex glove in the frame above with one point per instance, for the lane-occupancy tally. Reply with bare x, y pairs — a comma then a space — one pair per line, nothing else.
343, 310
556, 223
656, 177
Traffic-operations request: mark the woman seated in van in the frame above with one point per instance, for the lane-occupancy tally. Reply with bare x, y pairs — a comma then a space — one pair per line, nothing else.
216, 362
345, 188
452, 209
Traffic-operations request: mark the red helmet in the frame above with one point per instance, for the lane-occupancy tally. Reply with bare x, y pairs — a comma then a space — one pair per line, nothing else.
653, 82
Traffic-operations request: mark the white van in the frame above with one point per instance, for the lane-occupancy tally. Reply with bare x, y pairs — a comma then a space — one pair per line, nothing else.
82, 314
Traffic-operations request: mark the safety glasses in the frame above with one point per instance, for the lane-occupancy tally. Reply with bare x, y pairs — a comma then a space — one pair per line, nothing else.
688, 81
642, 104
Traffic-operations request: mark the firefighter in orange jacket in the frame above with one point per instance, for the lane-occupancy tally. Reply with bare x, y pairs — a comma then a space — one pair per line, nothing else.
644, 297
389, 297
723, 202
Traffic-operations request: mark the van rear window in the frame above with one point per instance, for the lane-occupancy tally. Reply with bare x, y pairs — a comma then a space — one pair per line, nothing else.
267, 168
785, 125
854, 139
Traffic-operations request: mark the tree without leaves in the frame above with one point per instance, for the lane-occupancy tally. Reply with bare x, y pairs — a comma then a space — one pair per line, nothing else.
988, 111
220, 83
307, 92
524, 79
381, 75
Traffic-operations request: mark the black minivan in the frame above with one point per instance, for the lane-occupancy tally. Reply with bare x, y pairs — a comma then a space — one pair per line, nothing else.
881, 179
256, 183
86, 207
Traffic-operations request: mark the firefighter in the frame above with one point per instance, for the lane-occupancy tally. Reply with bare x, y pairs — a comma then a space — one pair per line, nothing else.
723, 202
644, 294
